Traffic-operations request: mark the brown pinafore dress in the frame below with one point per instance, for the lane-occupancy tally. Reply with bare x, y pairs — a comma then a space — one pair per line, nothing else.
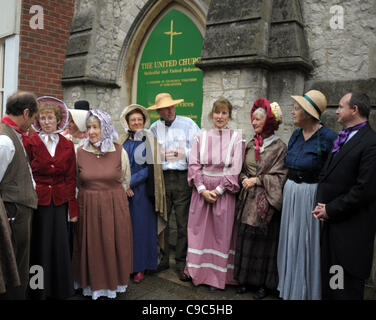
102, 257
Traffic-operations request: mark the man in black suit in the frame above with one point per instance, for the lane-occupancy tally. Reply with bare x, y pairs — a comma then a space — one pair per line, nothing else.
346, 203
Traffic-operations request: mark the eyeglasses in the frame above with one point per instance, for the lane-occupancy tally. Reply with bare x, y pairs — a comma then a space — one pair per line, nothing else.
49, 118
136, 119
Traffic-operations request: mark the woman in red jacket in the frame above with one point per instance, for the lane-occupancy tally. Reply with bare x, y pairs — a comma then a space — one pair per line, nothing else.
53, 163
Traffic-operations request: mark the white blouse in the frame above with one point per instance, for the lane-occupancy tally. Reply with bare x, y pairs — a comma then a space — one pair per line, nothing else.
50, 140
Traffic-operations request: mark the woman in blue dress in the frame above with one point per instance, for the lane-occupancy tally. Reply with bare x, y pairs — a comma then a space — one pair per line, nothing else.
298, 258
146, 195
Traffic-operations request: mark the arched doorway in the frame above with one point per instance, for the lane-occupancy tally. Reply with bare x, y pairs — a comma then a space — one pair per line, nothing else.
166, 60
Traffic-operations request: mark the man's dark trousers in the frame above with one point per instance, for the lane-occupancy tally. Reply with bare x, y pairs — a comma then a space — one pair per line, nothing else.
178, 197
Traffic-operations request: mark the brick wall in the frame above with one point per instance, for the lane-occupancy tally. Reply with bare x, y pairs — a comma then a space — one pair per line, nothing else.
42, 51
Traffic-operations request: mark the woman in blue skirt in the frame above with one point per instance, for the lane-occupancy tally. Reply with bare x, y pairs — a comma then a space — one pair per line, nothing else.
147, 202
298, 257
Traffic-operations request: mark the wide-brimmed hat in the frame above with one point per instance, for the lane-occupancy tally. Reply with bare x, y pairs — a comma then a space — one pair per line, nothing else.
314, 102
64, 113
130, 108
79, 118
164, 100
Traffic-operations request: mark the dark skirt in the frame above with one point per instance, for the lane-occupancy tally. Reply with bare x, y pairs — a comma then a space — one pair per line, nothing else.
50, 250
256, 255
144, 230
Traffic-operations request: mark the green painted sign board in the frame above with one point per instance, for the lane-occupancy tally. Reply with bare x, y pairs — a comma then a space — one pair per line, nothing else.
168, 65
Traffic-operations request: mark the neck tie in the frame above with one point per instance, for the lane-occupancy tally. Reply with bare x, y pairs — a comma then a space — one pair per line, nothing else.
49, 145
167, 122
344, 134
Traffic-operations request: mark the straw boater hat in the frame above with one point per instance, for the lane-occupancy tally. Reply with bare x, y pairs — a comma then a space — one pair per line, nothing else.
130, 108
64, 113
164, 100
79, 118
314, 102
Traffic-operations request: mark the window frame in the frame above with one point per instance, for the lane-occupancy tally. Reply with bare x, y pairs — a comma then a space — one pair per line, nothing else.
2, 58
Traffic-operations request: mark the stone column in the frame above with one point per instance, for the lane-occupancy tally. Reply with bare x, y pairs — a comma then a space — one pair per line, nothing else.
254, 49
242, 86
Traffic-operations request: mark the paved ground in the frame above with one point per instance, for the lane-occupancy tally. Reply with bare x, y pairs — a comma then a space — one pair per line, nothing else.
167, 286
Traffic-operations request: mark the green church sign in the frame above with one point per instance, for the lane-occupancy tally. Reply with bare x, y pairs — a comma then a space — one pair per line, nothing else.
168, 65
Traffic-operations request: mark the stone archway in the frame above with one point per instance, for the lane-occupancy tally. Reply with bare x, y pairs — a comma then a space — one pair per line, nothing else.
141, 29
103, 46
166, 62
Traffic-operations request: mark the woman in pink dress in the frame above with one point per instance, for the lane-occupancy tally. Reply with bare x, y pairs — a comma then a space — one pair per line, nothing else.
214, 165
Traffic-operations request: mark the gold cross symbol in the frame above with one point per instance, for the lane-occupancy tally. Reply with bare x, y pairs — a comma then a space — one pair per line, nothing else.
172, 34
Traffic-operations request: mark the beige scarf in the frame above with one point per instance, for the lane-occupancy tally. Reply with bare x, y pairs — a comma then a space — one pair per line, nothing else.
159, 185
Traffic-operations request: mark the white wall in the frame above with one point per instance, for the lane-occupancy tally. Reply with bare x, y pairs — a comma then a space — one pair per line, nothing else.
12, 45
10, 16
